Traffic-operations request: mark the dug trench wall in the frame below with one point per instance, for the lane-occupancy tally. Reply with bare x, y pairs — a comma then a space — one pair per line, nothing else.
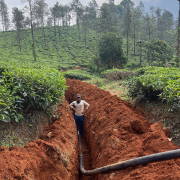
115, 131
53, 157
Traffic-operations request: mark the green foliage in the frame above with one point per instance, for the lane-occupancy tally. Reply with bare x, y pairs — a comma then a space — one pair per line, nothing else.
158, 52
67, 53
4, 15
157, 82
98, 82
69, 46
95, 63
106, 22
127, 4
27, 87
77, 74
110, 51
116, 74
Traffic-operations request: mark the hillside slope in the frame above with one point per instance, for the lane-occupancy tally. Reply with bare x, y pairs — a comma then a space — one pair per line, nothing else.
63, 53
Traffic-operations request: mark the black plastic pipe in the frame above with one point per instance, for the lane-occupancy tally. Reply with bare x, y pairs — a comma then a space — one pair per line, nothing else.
129, 163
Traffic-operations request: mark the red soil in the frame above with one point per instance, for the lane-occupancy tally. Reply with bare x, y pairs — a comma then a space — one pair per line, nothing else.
54, 157
115, 131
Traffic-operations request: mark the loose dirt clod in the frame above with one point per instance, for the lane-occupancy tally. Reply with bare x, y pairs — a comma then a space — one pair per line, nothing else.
115, 131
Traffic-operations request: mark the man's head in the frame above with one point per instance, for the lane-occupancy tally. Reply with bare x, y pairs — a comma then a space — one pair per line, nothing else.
78, 97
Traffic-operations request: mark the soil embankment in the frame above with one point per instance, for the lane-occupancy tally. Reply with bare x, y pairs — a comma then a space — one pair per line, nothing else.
54, 156
114, 131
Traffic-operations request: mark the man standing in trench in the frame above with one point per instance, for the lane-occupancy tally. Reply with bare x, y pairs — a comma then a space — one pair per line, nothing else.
78, 107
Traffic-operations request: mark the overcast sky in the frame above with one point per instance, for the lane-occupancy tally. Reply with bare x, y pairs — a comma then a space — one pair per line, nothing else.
17, 3
174, 3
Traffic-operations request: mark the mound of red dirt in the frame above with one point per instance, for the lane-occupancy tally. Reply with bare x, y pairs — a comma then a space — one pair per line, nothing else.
115, 131
54, 156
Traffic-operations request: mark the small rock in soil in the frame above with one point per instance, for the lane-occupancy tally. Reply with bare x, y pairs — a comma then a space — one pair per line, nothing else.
49, 134
112, 175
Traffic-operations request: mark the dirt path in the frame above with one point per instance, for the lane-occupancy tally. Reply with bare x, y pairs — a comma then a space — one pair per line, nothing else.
114, 131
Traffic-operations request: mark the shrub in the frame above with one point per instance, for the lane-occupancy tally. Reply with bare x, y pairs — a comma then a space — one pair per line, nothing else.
77, 74
157, 82
116, 74
98, 82
27, 87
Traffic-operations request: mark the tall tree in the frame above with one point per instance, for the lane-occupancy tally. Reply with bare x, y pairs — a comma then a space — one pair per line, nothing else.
18, 21
67, 16
55, 14
127, 11
41, 11
136, 22
127, 4
106, 21
110, 50
30, 10
49, 21
127, 28
60, 17
120, 12
93, 9
141, 7
113, 10
76, 7
159, 18
149, 25
168, 19
64, 11
85, 22
159, 52
4, 15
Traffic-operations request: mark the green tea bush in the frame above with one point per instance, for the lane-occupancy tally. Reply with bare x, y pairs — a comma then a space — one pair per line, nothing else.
66, 53
116, 74
157, 82
77, 74
98, 82
27, 87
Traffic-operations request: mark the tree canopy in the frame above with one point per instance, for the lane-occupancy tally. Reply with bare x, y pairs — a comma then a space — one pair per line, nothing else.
158, 52
110, 50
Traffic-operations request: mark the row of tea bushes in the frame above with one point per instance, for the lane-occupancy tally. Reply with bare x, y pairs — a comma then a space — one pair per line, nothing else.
24, 87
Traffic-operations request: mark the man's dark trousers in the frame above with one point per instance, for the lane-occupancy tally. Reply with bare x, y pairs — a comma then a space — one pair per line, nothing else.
79, 123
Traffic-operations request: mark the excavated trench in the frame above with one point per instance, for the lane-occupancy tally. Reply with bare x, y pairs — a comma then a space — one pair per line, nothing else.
113, 131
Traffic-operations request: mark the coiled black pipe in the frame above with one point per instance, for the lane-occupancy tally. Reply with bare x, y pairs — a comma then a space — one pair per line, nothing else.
129, 163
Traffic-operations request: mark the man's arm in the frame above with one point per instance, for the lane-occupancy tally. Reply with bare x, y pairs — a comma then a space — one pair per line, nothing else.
87, 106
71, 106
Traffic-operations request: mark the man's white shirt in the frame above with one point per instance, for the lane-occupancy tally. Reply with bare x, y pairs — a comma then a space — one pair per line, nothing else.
79, 107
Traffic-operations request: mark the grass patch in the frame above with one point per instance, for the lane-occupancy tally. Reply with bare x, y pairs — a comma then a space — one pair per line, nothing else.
117, 87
